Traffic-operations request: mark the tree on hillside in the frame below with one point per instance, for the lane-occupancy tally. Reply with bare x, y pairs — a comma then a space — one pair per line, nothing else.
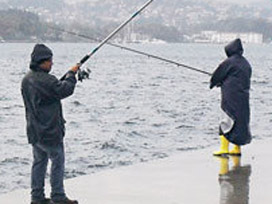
52, 5
17, 24
22, 25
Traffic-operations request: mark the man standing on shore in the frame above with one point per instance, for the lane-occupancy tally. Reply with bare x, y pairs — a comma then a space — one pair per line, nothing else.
42, 94
233, 76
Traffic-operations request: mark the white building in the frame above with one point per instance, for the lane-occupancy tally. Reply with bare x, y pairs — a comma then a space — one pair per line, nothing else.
245, 37
225, 37
1, 39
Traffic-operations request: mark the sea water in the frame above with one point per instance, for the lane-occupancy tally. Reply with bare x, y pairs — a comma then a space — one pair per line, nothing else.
132, 109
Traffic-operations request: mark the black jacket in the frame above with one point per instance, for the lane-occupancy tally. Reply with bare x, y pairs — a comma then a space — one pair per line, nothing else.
233, 76
42, 94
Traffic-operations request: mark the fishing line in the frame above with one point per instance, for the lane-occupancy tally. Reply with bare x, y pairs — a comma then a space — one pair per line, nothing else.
133, 50
82, 74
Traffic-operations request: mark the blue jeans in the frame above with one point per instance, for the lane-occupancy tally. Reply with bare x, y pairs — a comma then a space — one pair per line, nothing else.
41, 154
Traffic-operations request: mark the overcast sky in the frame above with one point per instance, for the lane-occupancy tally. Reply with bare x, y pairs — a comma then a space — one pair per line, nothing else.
235, 1
244, 1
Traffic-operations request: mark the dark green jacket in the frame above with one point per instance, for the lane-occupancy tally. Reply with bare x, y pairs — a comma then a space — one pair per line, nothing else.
42, 94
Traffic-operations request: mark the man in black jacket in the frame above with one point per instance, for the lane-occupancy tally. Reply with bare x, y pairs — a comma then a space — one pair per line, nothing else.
233, 76
42, 94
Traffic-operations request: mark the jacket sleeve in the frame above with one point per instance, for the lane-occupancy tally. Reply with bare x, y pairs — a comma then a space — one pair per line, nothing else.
220, 74
63, 88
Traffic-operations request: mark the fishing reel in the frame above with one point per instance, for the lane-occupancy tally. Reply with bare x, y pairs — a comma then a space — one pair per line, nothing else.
83, 74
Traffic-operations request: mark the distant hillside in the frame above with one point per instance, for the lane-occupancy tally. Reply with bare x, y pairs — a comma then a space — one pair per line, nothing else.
161, 20
52, 5
18, 25
22, 25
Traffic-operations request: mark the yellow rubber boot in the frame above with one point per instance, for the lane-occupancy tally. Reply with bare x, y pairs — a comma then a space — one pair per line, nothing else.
236, 151
224, 147
236, 161
224, 165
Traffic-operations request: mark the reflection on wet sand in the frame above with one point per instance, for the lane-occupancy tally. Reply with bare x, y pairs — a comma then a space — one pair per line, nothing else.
234, 182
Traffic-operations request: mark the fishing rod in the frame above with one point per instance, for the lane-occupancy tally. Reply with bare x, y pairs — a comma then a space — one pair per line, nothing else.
85, 74
134, 50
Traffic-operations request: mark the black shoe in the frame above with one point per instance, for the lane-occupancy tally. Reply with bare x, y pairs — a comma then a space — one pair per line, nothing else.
45, 201
66, 201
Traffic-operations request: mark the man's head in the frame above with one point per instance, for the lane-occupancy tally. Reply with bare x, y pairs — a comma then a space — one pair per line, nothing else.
42, 57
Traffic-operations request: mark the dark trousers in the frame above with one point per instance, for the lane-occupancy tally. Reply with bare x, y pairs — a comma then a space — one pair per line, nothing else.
42, 153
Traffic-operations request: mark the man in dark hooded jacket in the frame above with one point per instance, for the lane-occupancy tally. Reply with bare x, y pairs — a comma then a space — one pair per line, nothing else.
233, 76
42, 94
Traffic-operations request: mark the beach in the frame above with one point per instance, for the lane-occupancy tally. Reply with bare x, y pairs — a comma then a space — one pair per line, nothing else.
189, 177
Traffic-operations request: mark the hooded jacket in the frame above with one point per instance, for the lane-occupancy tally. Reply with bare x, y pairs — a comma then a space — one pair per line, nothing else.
233, 76
42, 94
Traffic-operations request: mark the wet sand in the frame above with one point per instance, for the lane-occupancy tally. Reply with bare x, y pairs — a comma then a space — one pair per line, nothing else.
189, 177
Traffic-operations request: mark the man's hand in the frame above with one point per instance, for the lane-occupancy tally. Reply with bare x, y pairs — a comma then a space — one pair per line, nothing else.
75, 68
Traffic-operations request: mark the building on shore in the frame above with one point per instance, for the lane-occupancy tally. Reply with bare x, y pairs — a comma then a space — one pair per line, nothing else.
2, 39
225, 37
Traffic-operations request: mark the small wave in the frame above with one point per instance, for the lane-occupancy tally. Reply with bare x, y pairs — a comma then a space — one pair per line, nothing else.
74, 124
135, 86
184, 126
134, 133
11, 107
87, 143
99, 166
159, 124
190, 148
130, 123
77, 103
11, 142
3, 98
134, 121
161, 77
111, 145
261, 82
73, 173
15, 160
159, 155
186, 148
153, 85
124, 163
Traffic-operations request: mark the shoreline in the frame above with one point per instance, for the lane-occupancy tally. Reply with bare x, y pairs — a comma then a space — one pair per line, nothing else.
188, 177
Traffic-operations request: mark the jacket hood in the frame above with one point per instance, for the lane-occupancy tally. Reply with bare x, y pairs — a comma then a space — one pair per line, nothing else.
234, 47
